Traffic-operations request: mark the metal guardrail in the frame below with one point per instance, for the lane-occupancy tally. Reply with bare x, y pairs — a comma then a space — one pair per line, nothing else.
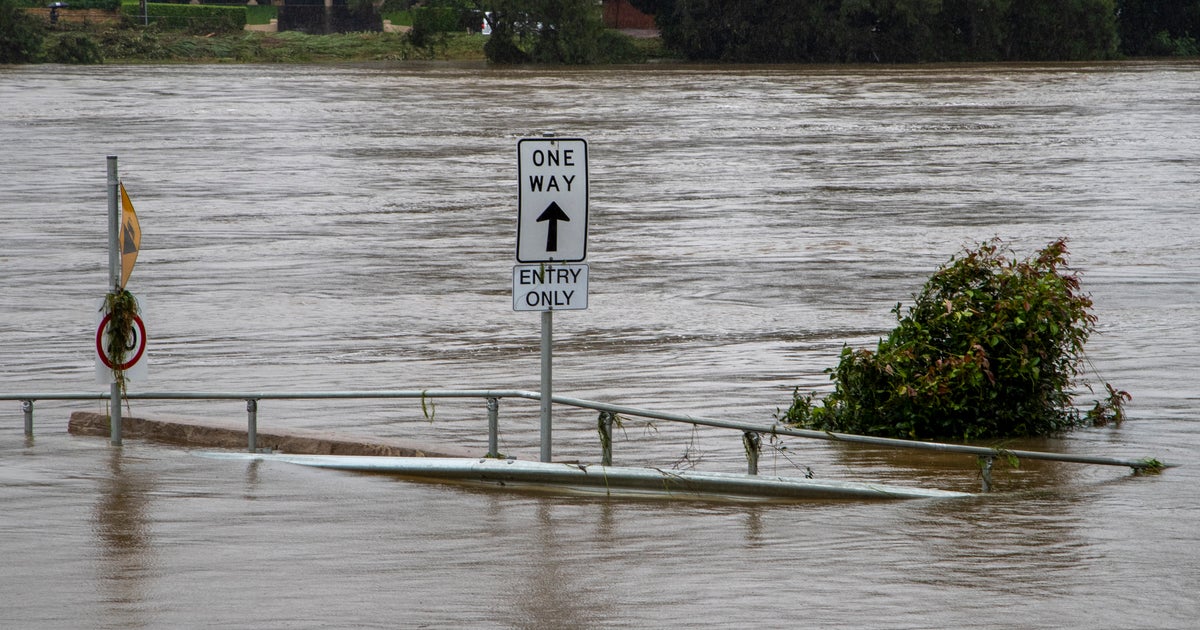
751, 433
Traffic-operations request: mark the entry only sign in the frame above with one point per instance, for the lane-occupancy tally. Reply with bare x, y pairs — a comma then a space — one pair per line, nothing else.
552, 213
549, 287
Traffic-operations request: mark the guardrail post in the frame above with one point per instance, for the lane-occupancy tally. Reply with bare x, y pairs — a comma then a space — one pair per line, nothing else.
753, 443
493, 408
605, 425
985, 468
27, 408
252, 423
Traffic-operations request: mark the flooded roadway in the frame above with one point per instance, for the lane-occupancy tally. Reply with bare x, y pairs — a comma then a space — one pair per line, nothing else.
328, 228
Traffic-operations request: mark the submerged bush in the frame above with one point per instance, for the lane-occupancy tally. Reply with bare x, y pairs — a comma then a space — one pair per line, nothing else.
991, 348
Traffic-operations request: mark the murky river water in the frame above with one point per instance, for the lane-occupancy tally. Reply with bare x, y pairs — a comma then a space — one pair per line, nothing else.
326, 228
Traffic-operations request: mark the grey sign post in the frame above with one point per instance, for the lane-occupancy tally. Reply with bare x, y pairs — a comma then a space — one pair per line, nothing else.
114, 283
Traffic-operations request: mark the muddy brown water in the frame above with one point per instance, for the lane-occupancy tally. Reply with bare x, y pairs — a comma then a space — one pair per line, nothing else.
338, 227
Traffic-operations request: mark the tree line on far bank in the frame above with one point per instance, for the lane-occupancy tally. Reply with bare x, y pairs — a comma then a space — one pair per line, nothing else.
856, 31
803, 31
925, 30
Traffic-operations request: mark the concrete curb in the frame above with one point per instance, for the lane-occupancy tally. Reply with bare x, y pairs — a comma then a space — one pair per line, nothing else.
227, 435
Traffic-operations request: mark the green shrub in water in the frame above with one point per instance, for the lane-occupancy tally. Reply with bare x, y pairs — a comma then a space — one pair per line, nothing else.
991, 348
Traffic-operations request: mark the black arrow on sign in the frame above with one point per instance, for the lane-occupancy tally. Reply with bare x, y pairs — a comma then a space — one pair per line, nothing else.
553, 214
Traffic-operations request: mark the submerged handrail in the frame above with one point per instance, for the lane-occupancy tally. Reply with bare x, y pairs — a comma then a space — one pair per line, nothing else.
986, 454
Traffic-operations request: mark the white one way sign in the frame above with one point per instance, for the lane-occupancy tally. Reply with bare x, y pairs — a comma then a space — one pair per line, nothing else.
552, 210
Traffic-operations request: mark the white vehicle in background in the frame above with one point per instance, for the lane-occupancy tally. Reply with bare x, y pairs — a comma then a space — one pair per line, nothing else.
522, 27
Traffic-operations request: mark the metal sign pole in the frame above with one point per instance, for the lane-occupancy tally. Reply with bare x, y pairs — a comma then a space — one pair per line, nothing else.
547, 374
547, 380
114, 283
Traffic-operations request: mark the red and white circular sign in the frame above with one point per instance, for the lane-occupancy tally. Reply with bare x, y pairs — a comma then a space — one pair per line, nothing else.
133, 352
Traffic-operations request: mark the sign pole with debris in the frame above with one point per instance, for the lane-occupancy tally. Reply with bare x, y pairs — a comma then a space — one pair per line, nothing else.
114, 284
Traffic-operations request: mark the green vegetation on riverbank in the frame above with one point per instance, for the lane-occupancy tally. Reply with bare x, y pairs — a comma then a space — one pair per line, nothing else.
141, 45
28, 38
113, 43
572, 32
905, 31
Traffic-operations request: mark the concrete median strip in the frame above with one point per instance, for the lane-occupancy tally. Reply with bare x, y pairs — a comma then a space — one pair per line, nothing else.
216, 434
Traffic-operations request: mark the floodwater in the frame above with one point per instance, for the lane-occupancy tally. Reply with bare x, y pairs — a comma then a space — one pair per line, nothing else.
353, 227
